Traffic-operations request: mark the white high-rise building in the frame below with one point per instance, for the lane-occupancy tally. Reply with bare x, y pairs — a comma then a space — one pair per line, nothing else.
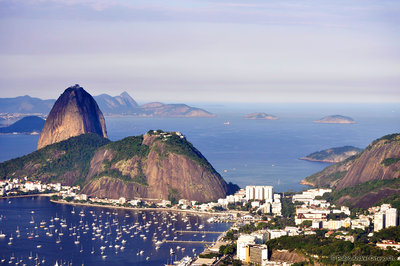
379, 221
268, 193
260, 193
391, 217
250, 192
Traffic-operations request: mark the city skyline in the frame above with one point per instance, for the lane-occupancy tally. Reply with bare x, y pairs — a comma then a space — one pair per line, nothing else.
209, 51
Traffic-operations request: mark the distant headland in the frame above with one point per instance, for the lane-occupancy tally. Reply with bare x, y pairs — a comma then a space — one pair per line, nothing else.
332, 155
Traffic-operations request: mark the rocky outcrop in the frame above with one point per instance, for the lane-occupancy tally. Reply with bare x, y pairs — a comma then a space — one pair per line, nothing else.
74, 113
260, 116
364, 179
336, 119
332, 155
158, 166
379, 161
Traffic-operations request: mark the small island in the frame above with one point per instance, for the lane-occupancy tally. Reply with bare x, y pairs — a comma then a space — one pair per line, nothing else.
336, 119
26, 125
260, 116
333, 155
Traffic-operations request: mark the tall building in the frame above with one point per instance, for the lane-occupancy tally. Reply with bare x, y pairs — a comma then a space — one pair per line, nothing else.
379, 221
268, 193
250, 192
242, 243
260, 193
257, 254
391, 217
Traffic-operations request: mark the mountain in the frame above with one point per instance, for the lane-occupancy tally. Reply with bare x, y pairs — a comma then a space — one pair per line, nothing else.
332, 155
122, 104
336, 119
158, 165
366, 178
74, 113
25, 104
260, 116
172, 110
28, 124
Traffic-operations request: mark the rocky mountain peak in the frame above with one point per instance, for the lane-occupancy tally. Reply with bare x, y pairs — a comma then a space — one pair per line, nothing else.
74, 113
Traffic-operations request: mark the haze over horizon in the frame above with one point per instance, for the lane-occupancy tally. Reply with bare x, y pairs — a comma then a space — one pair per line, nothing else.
204, 51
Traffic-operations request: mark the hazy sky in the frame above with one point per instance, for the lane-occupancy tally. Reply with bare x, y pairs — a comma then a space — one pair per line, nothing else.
204, 50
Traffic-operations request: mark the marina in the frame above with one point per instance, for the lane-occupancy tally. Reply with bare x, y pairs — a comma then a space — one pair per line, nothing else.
35, 230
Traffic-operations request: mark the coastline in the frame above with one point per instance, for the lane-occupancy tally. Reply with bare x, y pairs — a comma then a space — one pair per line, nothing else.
305, 182
316, 160
137, 209
25, 196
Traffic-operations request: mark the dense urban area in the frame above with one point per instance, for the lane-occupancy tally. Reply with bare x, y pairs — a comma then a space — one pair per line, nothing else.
267, 227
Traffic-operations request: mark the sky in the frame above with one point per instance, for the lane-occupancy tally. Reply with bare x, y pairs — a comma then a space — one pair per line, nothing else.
203, 50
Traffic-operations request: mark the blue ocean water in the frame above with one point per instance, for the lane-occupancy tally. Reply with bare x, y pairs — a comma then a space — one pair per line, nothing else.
255, 151
35, 234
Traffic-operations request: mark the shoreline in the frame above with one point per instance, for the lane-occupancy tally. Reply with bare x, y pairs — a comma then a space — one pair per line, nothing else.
316, 160
137, 209
25, 196
305, 182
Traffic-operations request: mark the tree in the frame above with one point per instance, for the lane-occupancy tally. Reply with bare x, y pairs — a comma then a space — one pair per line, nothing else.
306, 223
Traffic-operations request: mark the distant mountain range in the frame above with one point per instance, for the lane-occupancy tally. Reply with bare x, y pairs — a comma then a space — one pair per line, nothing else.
27, 125
122, 104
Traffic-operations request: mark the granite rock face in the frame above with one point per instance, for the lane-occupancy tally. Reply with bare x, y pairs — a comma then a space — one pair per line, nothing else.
379, 161
156, 166
74, 113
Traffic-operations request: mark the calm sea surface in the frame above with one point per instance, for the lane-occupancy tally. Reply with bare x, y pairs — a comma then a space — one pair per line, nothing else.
35, 233
255, 151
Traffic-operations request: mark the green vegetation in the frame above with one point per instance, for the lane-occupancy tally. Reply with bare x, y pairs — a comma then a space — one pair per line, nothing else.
209, 255
173, 195
228, 249
387, 138
394, 200
328, 250
280, 222
68, 157
390, 137
288, 208
140, 178
128, 148
391, 233
329, 174
326, 154
390, 161
177, 145
361, 189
